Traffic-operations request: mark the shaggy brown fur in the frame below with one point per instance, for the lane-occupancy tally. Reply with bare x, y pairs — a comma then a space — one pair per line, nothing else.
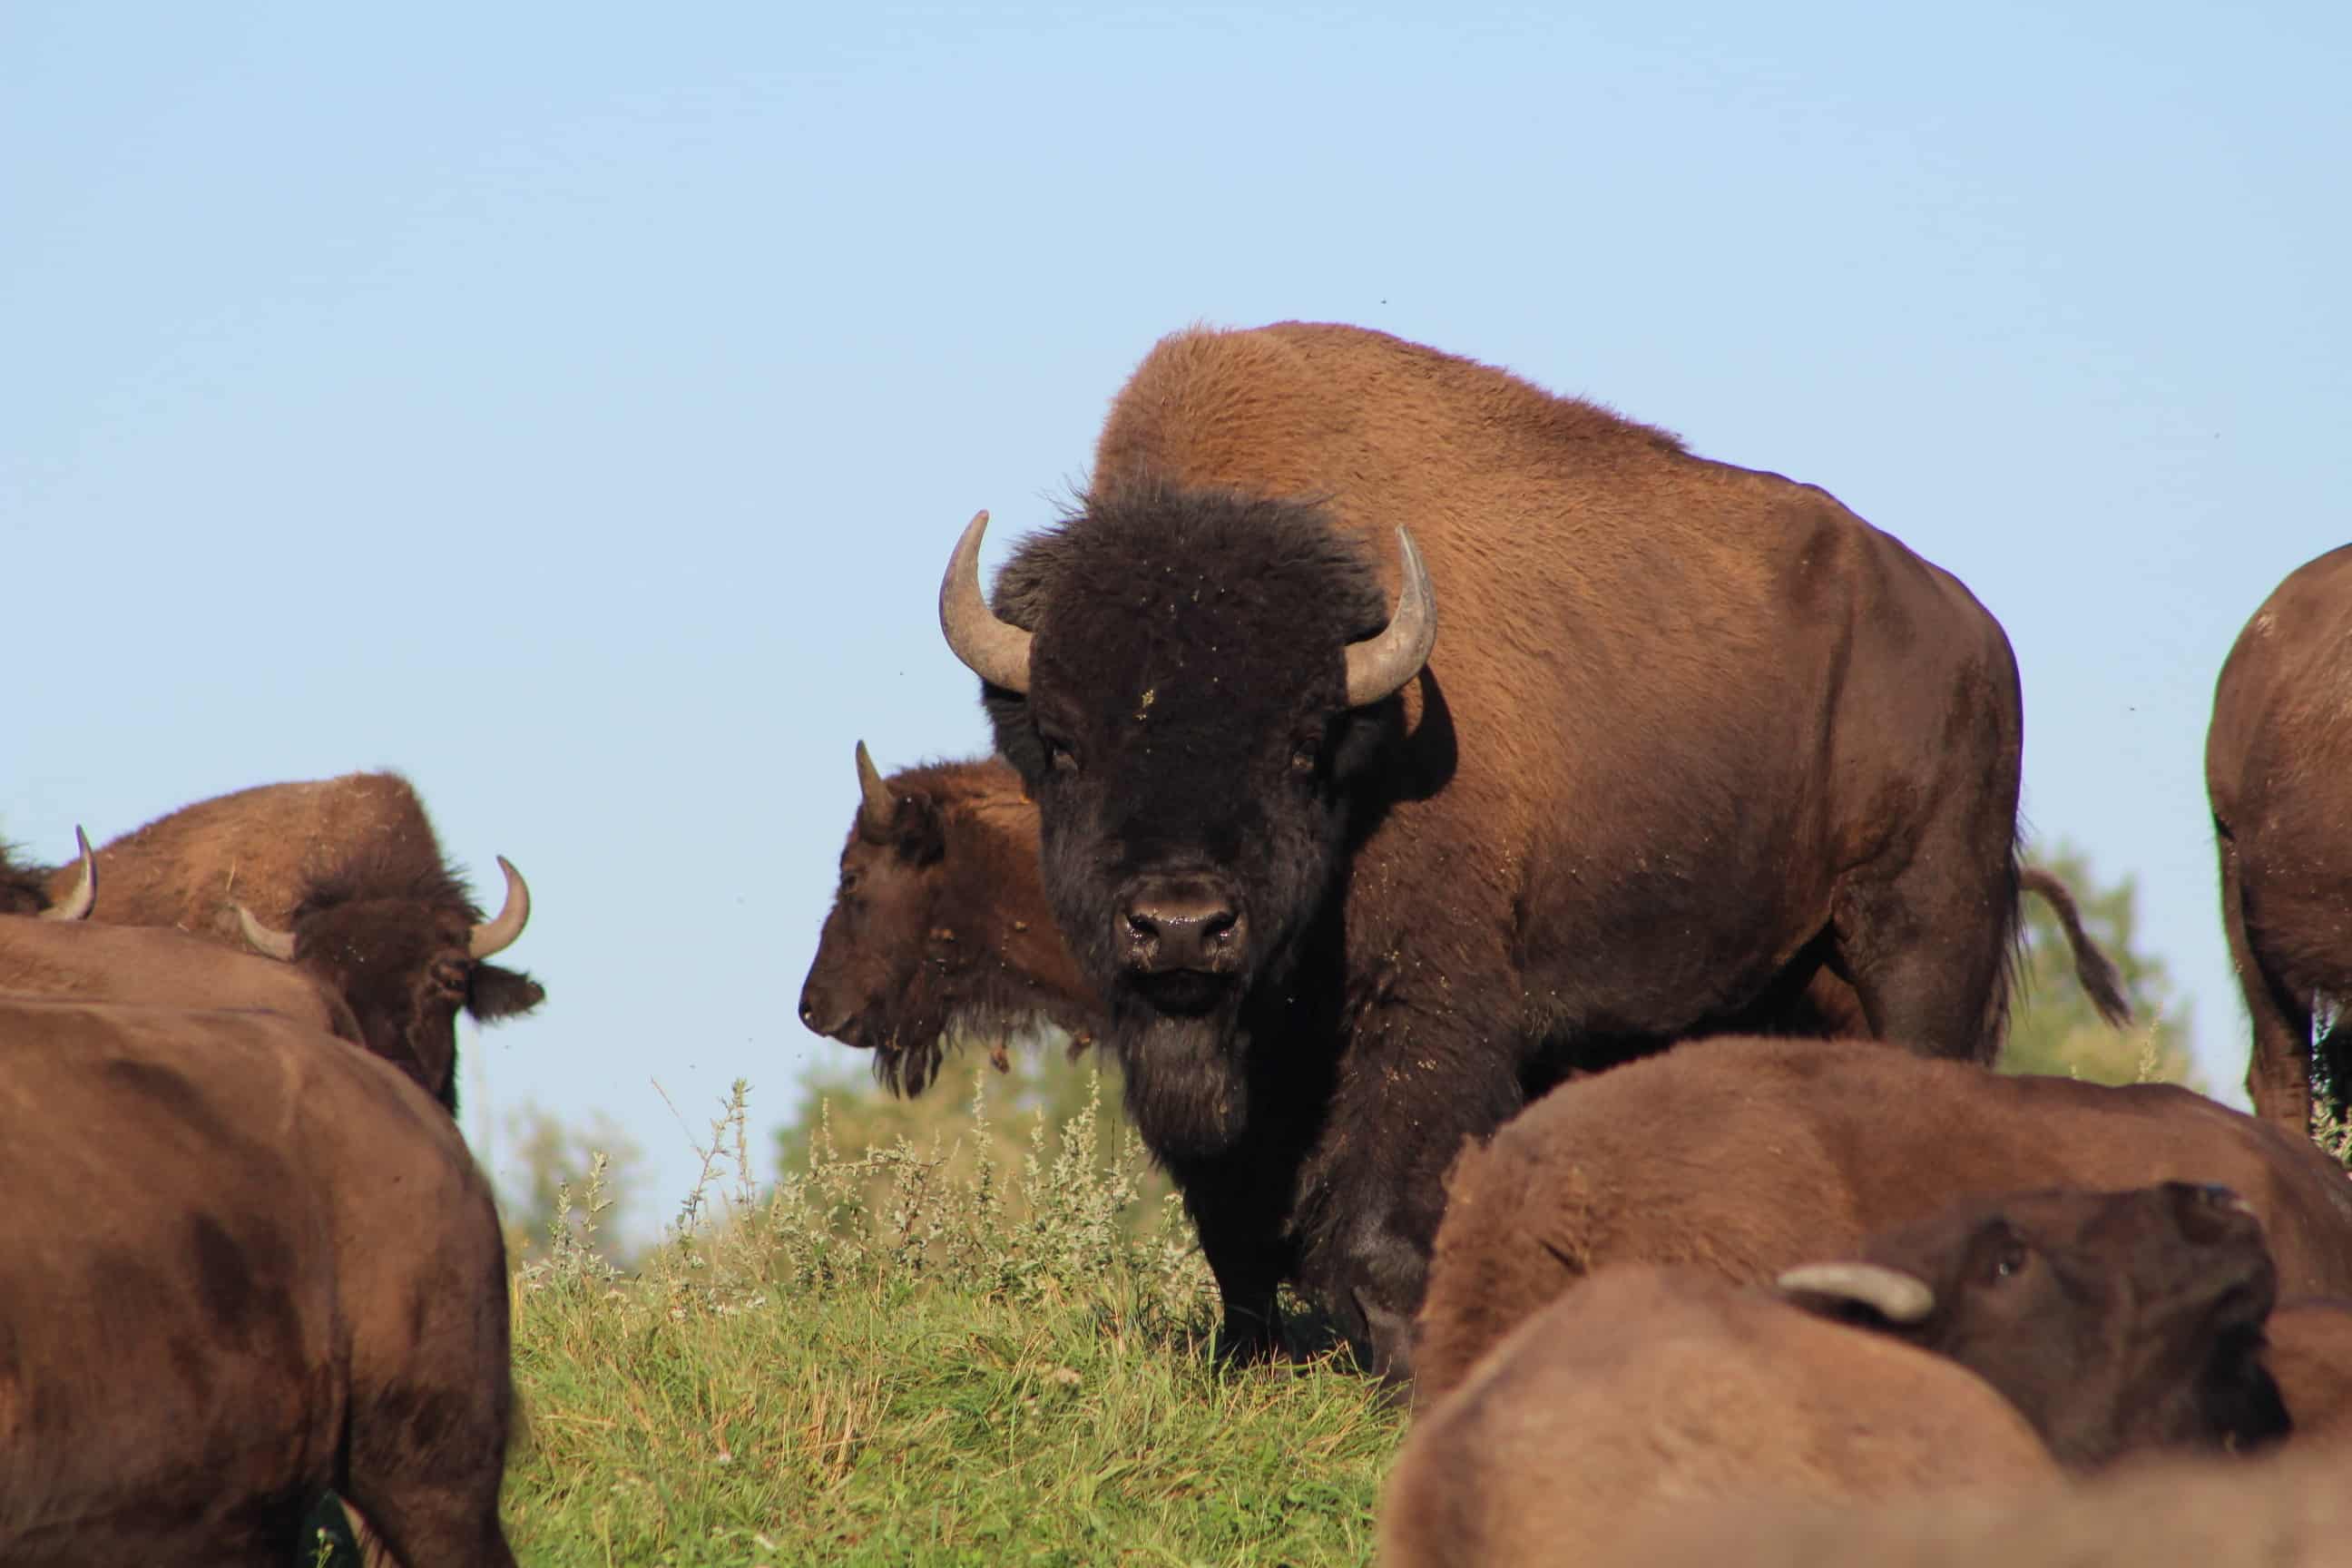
1690, 732
245, 1265
1749, 1157
940, 929
350, 867
86, 961
2310, 1354
2278, 772
1652, 1389
24, 888
2292, 1512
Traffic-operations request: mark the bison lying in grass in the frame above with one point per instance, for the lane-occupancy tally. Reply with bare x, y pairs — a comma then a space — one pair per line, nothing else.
1984, 1347
242, 1265
1750, 1156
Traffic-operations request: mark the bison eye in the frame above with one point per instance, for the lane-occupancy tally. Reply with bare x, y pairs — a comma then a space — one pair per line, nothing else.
1058, 756
849, 879
1304, 759
2008, 1260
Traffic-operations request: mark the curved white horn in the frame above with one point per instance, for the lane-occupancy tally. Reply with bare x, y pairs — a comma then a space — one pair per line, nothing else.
1897, 1296
500, 932
995, 650
77, 904
276, 944
1382, 664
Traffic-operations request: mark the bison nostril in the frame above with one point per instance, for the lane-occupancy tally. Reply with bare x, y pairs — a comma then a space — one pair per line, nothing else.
1221, 928
1141, 927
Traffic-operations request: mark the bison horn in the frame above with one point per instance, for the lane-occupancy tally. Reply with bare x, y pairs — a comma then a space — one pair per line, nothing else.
995, 650
500, 932
876, 807
276, 944
77, 904
1897, 1296
1381, 665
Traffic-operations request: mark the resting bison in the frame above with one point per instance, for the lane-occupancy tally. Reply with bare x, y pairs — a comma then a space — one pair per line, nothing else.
1652, 1387
244, 1267
2310, 1354
939, 925
344, 878
1692, 733
2112, 1322
2291, 1512
1749, 1156
2278, 772
940, 928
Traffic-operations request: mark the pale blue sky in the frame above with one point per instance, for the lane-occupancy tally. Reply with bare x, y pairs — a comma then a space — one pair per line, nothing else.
573, 405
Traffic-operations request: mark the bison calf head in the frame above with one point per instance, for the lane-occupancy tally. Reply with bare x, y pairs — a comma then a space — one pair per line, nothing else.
1189, 683
405, 960
2112, 1320
867, 985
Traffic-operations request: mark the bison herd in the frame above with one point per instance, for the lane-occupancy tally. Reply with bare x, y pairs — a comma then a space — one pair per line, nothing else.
283, 1273
1552, 900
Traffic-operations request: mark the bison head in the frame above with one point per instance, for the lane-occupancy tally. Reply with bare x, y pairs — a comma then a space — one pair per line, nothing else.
866, 986
405, 958
2112, 1320
1192, 685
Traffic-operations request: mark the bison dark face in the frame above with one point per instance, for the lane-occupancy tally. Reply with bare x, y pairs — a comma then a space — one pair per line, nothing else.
405, 963
2113, 1321
866, 986
1206, 681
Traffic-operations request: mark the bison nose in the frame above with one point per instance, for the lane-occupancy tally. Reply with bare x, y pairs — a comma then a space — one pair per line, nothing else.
823, 1016
1180, 926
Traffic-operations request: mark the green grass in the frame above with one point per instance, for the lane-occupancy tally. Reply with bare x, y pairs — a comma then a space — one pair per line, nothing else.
901, 1355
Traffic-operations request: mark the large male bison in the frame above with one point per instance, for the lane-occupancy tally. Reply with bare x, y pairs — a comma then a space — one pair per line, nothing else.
241, 1265
940, 926
1692, 733
940, 929
2278, 772
343, 878
2112, 1323
1749, 1156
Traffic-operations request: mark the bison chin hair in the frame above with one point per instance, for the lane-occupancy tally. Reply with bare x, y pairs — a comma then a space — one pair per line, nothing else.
1184, 1086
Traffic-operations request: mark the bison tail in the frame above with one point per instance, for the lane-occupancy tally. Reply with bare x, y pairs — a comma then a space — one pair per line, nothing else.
2102, 981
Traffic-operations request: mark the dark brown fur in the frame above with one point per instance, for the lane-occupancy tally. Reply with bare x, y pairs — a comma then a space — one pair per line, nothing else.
2278, 773
243, 1265
1750, 1156
350, 867
1649, 1389
1690, 732
940, 929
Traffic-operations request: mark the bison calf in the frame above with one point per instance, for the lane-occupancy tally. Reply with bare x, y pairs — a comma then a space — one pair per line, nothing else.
1650, 1387
1749, 1157
239, 1265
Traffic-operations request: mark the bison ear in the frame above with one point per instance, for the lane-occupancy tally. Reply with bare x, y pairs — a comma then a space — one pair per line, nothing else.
1868, 1295
496, 993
